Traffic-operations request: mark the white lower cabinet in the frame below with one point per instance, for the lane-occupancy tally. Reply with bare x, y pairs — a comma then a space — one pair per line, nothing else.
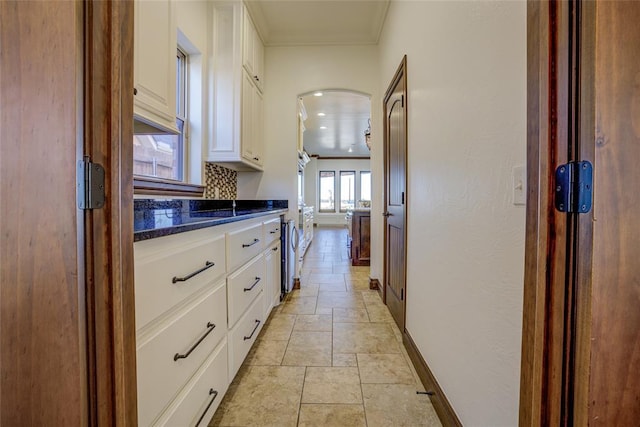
243, 287
272, 276
202, 298
244, 334
201, 397
170, 354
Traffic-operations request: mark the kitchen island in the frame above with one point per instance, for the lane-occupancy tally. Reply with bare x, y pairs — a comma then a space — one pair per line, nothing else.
359, 229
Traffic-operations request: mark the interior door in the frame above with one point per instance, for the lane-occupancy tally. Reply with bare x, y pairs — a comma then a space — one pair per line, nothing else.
395, 142
42, 324
581, 318
608, 359
67, 334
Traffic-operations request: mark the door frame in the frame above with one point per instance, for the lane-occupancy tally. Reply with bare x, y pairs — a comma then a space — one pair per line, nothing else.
108, 132
401, 73
557, 277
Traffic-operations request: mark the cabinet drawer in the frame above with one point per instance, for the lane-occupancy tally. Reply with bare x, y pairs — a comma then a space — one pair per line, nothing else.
199, 400
169, 269
242, 245
271, 231
244, 334
162, 360
244, 286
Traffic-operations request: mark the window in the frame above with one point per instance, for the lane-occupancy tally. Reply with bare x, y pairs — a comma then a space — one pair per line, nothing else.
162, 156
327, 191
365, 186
347, 190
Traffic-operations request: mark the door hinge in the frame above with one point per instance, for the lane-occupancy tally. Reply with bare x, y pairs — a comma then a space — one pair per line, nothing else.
574, 187
403, 197
90, 185
401, 294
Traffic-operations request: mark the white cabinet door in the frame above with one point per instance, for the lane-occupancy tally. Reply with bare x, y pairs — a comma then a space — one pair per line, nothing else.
274, 274
248, 38
257, 144
258, 61
155, 49
252, 121
246, 135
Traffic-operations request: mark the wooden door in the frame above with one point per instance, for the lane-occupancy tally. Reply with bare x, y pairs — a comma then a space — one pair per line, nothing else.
581, 327
67, 320
43, 311
608, 358
395, 142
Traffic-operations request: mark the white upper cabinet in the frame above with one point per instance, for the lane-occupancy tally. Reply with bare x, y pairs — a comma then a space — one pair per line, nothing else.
252, 51
237, 108
155, 63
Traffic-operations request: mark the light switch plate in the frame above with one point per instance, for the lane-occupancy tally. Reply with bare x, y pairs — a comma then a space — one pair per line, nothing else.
519, 186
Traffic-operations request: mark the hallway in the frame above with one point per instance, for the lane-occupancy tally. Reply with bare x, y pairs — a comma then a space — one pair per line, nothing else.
330, 355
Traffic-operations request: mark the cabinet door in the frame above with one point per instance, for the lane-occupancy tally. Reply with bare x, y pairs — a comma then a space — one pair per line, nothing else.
275, 274
258, 59
155, 48
258, 128
246, 134
272, 285
248, 39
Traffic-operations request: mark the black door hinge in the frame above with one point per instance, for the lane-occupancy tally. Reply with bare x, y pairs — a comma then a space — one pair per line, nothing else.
401, 294
90, 185
574, 187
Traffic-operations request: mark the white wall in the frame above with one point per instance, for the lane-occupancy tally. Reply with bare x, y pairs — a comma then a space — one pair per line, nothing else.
292, 71
336, 165
466, 130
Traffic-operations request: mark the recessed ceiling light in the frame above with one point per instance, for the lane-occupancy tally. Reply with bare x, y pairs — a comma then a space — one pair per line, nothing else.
323, 127
317, 94
321, 114
350, 150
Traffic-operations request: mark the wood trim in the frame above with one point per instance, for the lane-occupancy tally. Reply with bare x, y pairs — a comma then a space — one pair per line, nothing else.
583, 272
374, 284
109, 231
439, 400
543, 386
159, 187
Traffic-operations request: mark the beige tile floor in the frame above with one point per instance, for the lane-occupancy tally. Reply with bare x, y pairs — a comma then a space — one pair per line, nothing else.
330, 355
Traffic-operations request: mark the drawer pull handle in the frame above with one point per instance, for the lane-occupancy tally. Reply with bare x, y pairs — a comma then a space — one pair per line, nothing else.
246, 245
274, 231
215, 394
207, 265
211, 327
253, 332
252, 286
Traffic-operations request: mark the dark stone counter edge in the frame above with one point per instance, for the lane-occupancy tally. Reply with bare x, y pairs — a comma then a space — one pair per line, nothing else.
205, 223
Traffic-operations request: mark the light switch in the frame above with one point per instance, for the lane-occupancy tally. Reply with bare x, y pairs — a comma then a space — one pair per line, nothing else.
519, 186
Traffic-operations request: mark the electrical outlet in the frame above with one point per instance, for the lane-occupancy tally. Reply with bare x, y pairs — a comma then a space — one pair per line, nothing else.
519, 186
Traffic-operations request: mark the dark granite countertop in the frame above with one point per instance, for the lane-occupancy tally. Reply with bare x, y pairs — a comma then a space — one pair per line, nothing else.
156, 217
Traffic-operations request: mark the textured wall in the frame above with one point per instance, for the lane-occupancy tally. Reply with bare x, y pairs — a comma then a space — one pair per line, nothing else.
467, 129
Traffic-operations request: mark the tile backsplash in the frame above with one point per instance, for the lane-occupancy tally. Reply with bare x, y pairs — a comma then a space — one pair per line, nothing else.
220, 183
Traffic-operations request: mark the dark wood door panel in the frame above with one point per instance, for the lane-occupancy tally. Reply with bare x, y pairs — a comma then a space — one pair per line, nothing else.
615, 338
43, 373
395, 194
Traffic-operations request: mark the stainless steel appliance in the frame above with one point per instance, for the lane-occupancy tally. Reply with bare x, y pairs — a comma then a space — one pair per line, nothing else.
290, 243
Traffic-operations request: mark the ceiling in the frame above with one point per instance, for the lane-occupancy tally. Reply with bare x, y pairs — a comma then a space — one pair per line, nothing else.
318, 22
325, 22
340, 131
